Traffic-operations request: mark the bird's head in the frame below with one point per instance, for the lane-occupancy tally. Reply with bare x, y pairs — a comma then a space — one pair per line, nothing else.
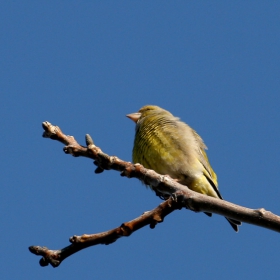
145, 111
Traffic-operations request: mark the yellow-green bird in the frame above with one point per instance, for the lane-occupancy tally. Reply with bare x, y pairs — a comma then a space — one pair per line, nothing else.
170, 147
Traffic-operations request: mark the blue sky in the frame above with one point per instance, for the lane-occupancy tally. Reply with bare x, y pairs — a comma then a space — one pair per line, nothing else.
84, 66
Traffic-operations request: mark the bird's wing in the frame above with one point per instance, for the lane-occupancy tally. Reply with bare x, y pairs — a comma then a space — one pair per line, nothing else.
209, 172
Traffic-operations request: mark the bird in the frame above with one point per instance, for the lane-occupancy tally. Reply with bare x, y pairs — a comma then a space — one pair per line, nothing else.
171, 147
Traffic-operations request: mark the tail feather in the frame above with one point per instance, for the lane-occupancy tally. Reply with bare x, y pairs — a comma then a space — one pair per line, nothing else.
234, 224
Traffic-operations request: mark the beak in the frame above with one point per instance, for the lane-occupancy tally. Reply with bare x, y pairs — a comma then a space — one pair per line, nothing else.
134, 116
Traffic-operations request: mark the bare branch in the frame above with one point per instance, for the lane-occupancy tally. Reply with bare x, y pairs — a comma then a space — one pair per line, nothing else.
55, 257
181, 196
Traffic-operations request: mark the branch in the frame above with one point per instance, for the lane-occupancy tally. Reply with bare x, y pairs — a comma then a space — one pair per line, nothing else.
164, 186
55, 257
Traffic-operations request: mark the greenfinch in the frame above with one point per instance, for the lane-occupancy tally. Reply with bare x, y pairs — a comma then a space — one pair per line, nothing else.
171, 147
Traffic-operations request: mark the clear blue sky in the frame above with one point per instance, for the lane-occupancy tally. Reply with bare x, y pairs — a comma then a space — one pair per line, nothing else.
84, 66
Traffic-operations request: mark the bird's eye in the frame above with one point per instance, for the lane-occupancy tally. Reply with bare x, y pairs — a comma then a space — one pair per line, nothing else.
148, 109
